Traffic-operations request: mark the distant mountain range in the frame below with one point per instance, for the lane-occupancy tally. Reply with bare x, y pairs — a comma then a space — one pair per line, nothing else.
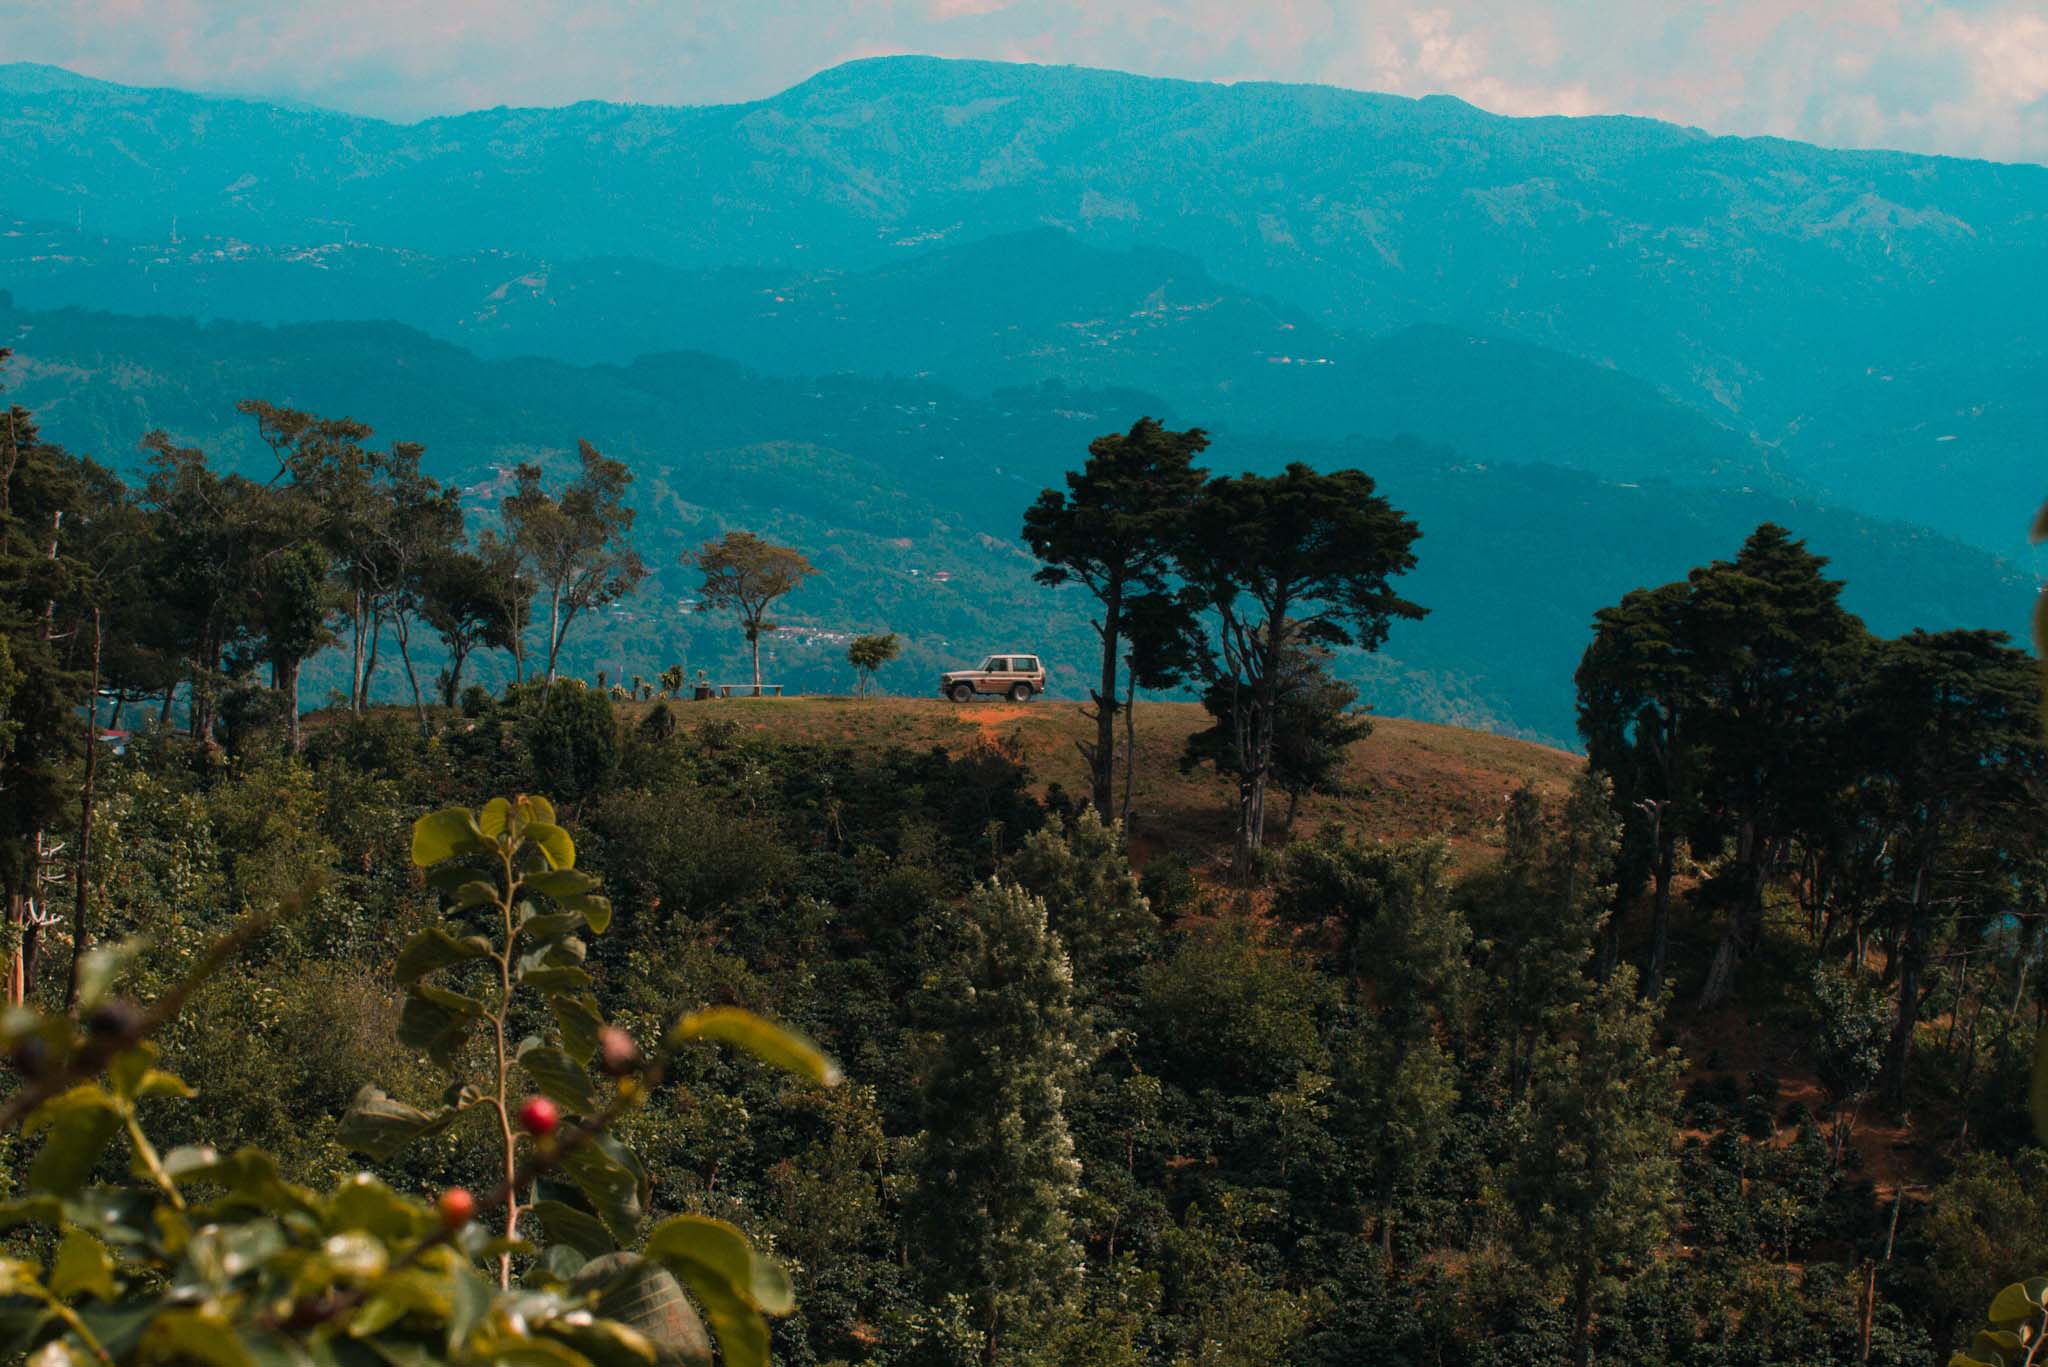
998, 262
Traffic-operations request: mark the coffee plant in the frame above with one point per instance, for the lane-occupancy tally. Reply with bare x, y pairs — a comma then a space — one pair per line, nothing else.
201, 1257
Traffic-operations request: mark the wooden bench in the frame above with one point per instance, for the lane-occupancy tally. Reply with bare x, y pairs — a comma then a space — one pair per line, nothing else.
744, 690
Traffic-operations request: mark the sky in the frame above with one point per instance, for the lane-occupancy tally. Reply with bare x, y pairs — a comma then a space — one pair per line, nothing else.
1968, 77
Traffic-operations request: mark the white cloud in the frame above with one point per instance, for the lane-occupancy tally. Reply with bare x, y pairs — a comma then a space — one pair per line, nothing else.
1961, 76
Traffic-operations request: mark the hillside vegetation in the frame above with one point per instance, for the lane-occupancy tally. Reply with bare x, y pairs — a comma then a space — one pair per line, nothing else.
1407, 780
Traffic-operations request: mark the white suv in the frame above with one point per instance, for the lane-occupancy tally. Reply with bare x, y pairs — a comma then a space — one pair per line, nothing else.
1017, 677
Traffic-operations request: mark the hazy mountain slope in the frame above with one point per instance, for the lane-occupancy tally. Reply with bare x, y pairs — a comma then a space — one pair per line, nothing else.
1770, 282
1001, 312
889, 483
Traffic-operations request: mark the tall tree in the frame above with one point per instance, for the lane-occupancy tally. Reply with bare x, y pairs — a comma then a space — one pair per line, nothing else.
330, 472
418, 537
512, 589
1638, 710
746, 575
867, 655
1537, 915
998, 1177
1316, 722
1282, 561
1595, 1182
465, 597
48, 498
1113, 532
577, 547
1387, 914
1772, 651
1955, 715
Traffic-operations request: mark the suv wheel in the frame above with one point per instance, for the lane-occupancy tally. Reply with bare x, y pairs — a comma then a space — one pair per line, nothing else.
1020, 692
961, 692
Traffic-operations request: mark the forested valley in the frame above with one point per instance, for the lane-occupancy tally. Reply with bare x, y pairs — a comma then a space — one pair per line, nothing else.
586, 1024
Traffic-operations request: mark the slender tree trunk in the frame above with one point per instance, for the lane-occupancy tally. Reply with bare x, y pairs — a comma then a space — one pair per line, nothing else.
419, 702
81, 908
1102, 761
1582, 1315
1745, 919
1912, 959
554, 633
754, 646
1660, 915
1253, 836
291, 668
1130, 746
17, 960
355, 658
370, 660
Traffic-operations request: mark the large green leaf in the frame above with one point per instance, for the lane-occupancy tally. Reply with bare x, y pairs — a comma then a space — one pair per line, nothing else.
559, 1077
83, 1267
612, 1180
763, 1039
742, 1333
80, 1124
433, 949
445, 834
438, 1021
559, 883
555, 978
579, 1229
554, 842
495, 817
379, 1126
720, 1250
2016, 1304
580, 1022
645, 1297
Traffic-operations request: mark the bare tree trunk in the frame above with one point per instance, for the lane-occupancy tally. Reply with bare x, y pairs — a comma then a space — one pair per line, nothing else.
754, 646
1745, 921
1102, 761
1130, 747
1660, 915
370, 661
419, 702
1912, 958
81, 926
291, 704
554, 634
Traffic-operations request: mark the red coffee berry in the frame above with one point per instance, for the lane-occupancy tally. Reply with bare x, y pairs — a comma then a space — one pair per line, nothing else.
457, 1207
538, 1117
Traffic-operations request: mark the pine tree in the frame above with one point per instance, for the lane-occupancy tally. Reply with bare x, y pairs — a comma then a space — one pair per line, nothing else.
1594, 1181
1091, 898
998, 1176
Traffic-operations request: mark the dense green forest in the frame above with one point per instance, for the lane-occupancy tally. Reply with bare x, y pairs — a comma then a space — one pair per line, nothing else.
338, 1042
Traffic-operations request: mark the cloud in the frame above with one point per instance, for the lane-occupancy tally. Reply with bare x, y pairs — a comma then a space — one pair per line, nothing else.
1961, 76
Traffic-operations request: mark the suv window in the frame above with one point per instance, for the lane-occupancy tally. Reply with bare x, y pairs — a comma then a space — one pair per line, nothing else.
1028, 665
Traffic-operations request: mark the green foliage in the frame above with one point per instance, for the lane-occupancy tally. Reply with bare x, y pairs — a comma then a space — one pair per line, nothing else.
867, 654
287, 1273
572, 737
1115, 532
745, 575
1282, 562
997, 1176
